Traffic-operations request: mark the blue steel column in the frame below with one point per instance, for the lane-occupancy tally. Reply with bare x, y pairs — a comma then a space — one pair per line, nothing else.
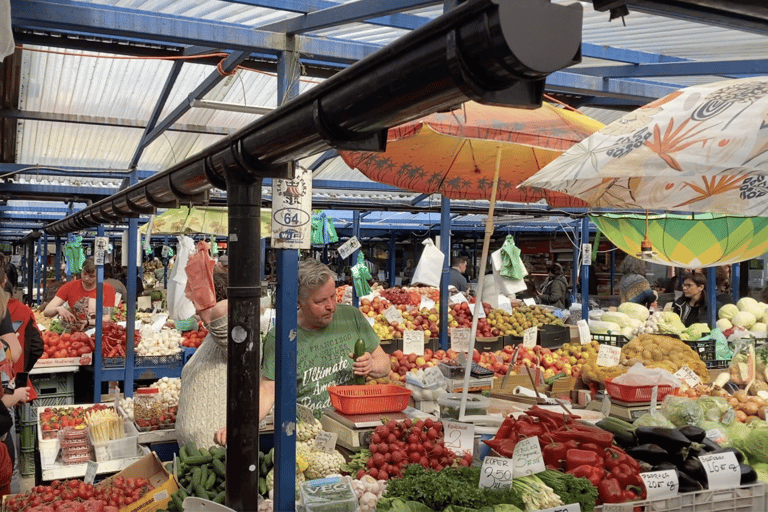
286, 327
585, 271
353, 256
391, 261
97, 356
735, 281
130, 305
38, 271
445, 247
575, 265
58, 258
712, 296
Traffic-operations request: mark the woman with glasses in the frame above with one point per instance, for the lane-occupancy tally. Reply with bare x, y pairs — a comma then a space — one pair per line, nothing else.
692, 306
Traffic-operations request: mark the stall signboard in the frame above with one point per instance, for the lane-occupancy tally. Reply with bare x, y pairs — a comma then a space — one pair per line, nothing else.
291, 212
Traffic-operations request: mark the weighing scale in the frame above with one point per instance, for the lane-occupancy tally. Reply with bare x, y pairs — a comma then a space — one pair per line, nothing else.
627, 411
354, 431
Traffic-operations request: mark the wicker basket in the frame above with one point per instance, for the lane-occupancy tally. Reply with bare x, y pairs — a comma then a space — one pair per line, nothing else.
369, 399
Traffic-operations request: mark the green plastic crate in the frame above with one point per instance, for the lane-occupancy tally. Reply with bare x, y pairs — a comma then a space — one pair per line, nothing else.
27, 462
54, 384
28, 434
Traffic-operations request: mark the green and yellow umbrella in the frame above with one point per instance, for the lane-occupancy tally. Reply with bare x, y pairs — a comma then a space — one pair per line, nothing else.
206, 220
691, 241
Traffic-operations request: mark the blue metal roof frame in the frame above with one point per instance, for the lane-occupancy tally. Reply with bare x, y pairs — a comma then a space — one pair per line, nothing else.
621, 69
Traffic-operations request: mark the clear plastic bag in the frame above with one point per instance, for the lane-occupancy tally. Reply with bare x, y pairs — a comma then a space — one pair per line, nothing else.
681, 411
742, 368
639, 375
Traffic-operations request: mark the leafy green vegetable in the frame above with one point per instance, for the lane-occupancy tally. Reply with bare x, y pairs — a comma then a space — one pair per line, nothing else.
450, 486
571, 489
400, 505
756, 444
56, 326
356, 461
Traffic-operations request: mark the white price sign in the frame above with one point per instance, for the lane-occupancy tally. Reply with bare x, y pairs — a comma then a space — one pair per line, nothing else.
101, 244
458, 298
505, 304
661, 484
459, 437
529, 302
91, 469
348, 247
529, 337
573, 507
688, 376
496, 473
585, 337
608, 356
527, 457
413, 342
392, 314
586, 253
481, 313
291, 212
432, 376
304, 413
426, 302
722, 470
326, 441
460, 339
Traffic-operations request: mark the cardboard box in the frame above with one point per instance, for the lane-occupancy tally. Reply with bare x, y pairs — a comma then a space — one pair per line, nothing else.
164, 484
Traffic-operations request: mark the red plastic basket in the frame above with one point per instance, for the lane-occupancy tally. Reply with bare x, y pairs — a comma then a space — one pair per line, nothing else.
634, 393
369, 399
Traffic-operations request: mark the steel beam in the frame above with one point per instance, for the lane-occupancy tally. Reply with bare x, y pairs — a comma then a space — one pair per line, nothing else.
735, 68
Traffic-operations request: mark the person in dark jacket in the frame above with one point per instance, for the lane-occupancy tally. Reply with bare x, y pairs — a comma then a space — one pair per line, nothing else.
692, 307
555, 287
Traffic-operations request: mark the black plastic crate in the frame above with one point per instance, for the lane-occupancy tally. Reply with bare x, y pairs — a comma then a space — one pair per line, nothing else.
553, 336
718, 364
489, 344
704, 348
614, 340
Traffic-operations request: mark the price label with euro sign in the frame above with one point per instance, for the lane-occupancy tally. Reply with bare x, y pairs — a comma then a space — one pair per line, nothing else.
661, 484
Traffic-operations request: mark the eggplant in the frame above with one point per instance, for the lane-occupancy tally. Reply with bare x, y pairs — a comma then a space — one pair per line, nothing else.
694, 469
668, 438
737, 453
687, 484
748, 474
694, 433
710, 445
663, 466
649, 452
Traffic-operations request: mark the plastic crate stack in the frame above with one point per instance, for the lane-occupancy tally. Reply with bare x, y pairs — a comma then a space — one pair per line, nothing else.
52, 389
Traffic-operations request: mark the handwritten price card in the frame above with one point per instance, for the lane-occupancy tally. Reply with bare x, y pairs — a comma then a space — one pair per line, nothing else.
433, 376
573, 507
460, 339
459, 437
481, 313
413, 342
91, 469
527, 457
392, 314
496, 473
661, 484
688, 376
608, 356
458, 298
529, 337
585, 336
426, 302
348, 247
326, 441
722, 470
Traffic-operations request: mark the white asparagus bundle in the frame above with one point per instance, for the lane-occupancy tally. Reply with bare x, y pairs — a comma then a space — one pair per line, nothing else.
105, 425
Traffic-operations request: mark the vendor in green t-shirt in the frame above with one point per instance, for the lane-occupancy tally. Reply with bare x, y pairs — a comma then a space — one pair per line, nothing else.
327, 335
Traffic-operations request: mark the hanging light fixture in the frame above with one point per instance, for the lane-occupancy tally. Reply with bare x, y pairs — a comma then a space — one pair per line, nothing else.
646, 247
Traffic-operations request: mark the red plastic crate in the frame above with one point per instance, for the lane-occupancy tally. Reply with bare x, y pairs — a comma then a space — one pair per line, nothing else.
369, 399
635, 393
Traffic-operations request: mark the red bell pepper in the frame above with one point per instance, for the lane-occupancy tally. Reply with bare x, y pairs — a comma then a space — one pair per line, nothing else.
615, 456
529, 429
592, 447
598, 437
623, 474
507, 448
555, 454
593, 474
576, 458
610, 491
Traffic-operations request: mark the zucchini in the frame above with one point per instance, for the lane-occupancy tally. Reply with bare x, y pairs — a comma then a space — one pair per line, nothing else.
199, 460
220, 497
219, 467
549, 380
183, 455
197, 474
623, 432
262, 485
210, 482
358, 350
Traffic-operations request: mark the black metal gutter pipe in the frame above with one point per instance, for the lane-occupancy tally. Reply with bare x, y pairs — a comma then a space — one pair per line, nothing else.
491, 51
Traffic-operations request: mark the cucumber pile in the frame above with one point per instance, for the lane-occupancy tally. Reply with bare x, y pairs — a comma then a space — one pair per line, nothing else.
201, 473
266, 463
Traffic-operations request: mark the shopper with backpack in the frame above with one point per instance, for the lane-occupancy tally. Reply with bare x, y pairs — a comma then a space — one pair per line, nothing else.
554, 291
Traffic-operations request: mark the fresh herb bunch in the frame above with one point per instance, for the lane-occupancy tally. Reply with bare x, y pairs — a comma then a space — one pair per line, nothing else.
450, 486
571, 489
356, 462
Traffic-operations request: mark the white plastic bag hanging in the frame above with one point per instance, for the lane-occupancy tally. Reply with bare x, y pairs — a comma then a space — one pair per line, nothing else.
430, 266
505, 286
179, 306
